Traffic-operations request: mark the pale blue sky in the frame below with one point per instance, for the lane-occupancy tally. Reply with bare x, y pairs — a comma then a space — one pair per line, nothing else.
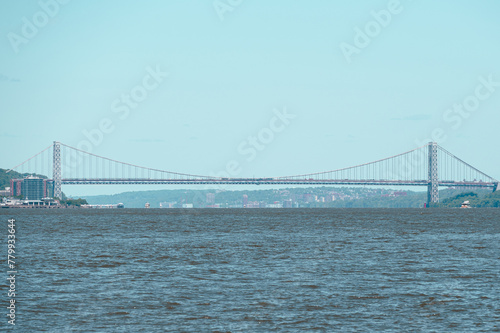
226, 76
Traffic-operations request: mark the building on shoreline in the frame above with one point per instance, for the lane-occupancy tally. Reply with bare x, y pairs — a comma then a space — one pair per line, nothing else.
32, 188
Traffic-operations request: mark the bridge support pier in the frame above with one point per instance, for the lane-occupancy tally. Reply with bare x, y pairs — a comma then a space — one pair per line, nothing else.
433, 187
56, 170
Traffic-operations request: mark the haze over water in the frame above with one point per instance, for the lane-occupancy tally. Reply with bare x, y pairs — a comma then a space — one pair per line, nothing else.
259, 270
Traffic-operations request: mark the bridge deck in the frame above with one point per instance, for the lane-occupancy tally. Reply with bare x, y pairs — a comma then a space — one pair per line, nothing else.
271, 181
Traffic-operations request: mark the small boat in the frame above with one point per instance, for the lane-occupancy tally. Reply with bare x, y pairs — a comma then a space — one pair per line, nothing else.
465, 204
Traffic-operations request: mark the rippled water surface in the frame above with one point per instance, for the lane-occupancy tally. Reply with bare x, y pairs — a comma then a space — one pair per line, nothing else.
256, 270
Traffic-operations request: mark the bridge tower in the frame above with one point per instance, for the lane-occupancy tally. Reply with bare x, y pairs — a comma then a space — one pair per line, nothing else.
433, 187
56, 170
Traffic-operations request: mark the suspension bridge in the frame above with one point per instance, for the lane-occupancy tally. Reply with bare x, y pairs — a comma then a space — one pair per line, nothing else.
431, 166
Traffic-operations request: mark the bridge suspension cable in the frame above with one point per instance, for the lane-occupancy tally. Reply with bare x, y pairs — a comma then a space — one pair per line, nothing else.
29, 159
78, 163
407, 166
451, 166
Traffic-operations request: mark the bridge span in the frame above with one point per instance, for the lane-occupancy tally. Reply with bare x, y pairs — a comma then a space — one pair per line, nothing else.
430, 165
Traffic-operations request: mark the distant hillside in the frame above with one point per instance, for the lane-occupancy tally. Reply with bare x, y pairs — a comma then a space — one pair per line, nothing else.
349, 197
344, 197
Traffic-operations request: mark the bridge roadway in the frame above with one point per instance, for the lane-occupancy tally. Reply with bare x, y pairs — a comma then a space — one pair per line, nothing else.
272, 181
